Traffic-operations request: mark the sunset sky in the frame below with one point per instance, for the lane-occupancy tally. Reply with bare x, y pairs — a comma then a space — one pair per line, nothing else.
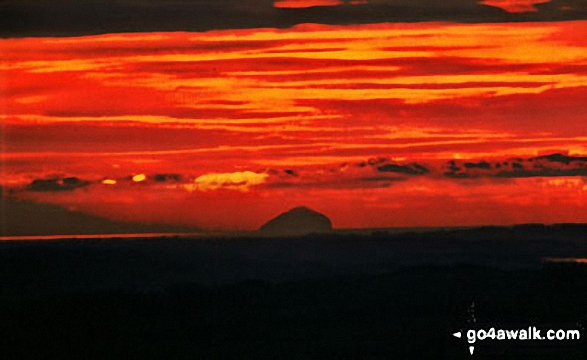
378, 113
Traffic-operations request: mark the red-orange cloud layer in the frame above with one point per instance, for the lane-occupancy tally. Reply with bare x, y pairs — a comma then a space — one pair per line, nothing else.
216, 105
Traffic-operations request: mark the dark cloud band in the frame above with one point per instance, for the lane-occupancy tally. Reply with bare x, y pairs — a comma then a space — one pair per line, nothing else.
20, 18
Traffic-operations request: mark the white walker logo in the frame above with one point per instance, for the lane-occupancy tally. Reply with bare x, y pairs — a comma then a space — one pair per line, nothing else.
532, 333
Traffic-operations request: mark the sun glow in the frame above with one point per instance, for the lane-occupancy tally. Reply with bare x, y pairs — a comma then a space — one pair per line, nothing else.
139, 178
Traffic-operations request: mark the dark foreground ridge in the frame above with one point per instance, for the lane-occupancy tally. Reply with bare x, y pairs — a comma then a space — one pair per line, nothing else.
297, 221
319, 296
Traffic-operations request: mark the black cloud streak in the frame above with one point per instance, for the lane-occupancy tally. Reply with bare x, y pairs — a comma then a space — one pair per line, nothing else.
20, 18
57, 184
412, 169
552, 165
376, 172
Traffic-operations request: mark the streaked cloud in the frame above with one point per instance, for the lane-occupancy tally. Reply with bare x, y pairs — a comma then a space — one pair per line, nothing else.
358, 119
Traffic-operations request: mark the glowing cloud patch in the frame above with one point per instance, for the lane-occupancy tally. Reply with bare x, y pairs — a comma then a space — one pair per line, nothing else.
139, 178
235, 181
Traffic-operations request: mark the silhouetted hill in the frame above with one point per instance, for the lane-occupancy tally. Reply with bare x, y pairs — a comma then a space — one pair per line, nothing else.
297, 221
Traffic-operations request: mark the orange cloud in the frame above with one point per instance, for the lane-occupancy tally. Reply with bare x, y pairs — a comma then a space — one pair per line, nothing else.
240, 180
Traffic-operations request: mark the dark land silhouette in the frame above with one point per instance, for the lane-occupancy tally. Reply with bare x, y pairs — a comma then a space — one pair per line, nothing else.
297, 221
338, 295
30, 218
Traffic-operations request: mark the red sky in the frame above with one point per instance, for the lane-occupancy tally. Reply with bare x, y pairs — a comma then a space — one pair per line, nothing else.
230, 111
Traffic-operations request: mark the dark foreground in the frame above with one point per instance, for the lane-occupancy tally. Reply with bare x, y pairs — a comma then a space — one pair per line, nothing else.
317, 297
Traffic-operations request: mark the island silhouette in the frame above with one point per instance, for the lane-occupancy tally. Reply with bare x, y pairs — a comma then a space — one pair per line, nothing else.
300, 220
